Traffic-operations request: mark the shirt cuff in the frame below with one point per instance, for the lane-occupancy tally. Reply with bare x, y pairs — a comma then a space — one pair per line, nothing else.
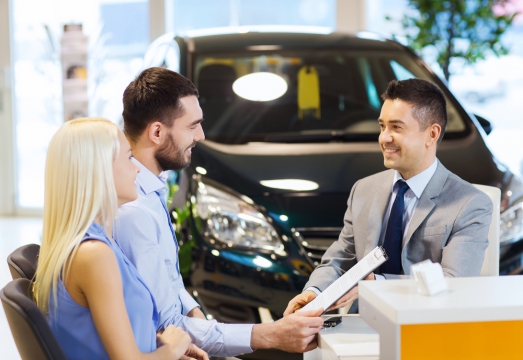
237, 338
218, 339
313, 289
380, 277
188, 303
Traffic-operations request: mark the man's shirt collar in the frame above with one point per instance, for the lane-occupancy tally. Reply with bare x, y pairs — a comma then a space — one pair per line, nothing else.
419, 182
148, 181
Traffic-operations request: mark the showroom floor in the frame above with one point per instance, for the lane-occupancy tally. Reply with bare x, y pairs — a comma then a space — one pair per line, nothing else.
14, 232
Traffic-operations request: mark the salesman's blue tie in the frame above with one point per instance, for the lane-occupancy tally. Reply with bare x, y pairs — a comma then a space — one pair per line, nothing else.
393, 242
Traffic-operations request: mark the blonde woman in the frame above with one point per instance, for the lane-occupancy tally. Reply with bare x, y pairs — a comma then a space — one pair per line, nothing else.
95, 301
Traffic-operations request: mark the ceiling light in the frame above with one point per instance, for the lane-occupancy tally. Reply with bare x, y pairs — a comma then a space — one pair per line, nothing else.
262, 262
260, 86
201, 170
290, 184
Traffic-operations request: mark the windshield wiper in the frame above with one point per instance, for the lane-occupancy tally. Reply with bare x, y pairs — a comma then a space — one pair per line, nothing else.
340, 136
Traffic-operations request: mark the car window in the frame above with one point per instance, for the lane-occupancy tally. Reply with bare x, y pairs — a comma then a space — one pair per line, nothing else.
300, 96
400, 72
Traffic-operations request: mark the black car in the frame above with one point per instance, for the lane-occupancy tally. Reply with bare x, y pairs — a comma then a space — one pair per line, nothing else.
266, 192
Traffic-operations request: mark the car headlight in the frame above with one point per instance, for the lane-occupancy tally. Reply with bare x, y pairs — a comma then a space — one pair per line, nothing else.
511, 223
234, 220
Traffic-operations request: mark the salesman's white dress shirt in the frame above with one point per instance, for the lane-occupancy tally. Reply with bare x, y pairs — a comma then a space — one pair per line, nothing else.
417, 185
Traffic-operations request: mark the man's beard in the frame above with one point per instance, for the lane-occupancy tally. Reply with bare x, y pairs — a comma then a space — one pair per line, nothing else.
170, 157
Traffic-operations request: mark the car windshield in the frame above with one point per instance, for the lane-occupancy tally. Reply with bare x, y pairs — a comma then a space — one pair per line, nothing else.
317, 96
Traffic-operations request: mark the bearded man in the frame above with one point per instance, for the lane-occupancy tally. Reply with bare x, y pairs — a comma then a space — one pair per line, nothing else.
162, 121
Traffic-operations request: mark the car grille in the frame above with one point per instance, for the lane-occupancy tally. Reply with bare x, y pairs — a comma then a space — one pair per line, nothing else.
315, 241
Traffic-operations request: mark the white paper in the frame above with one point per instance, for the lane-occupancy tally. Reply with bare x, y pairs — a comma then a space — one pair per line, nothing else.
348, 280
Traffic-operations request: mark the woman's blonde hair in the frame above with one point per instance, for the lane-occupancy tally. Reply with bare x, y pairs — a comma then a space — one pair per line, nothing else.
79, 189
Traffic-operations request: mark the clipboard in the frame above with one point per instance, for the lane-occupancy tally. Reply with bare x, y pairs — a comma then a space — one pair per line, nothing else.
348, 280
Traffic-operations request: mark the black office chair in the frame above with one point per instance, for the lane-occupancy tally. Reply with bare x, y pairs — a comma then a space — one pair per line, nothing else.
33, 336
22, 261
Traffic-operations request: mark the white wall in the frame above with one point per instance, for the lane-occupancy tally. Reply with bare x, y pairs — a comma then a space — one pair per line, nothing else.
7, 169
157, 17
351, 16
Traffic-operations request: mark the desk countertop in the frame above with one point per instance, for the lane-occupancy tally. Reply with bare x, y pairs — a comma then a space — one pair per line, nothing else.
467, 299
353, 339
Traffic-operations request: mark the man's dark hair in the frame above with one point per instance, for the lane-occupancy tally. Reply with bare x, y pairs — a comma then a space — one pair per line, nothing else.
428, 102
154, 96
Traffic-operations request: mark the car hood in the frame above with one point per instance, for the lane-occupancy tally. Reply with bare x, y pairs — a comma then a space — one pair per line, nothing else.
334, 167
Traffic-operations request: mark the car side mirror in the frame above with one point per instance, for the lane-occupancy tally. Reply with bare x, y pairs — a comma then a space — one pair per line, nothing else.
485, 124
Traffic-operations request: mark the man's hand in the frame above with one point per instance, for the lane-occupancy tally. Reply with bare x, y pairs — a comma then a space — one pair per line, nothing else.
293, 333
350, 296
175, 338
196, 353
299, 301
196, 313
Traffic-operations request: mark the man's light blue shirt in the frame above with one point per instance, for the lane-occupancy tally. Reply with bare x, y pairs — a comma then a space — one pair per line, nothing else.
144, 231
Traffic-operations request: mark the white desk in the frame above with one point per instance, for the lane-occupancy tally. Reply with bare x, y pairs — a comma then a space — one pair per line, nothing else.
477, 318
345, 341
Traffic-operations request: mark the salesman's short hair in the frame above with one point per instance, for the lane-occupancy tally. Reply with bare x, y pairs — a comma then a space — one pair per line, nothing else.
428, 102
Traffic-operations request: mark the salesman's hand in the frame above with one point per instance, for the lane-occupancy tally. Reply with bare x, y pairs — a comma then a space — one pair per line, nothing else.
350, 296
293, 333
196, 313
299, 301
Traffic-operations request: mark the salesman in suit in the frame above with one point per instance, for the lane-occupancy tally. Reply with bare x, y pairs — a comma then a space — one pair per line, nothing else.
417, 210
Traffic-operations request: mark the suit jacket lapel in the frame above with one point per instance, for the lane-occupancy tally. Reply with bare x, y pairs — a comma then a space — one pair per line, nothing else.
376, 213
426, 203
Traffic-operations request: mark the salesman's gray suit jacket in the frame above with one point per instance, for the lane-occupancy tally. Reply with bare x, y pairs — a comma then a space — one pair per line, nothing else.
450, 226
